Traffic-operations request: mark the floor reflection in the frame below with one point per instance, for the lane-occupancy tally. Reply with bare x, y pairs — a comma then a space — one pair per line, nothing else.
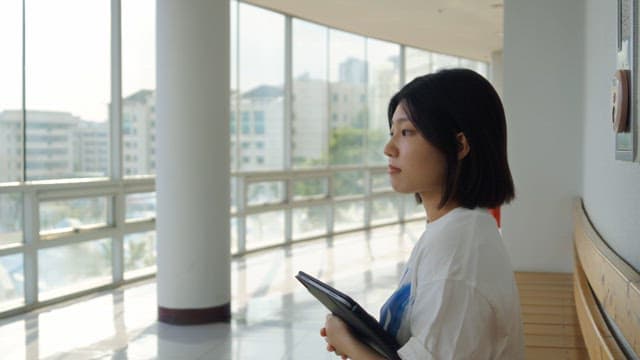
273, 316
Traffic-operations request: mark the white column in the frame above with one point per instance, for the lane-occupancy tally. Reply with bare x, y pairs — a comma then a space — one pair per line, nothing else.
193, 161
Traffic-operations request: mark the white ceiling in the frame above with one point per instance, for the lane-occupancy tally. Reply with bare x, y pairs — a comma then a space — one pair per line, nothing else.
468, 28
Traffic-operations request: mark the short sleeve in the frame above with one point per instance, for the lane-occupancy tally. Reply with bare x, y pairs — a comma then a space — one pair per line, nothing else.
450, 319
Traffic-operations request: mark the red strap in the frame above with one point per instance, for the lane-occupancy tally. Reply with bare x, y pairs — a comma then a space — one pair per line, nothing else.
496, 214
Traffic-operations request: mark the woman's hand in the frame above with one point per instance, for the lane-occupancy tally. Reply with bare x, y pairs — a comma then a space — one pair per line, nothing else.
340, 340
337, 335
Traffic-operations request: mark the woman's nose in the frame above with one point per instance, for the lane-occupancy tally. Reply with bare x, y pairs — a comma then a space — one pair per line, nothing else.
390, 149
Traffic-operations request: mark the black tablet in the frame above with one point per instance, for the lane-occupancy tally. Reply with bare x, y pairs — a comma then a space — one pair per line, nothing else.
364, 326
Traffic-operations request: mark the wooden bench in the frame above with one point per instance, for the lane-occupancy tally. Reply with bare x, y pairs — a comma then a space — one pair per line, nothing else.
601, 276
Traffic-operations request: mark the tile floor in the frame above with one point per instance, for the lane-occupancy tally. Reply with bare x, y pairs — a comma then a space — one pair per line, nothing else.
273, 316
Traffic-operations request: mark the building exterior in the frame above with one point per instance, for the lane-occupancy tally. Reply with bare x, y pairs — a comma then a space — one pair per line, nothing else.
139, 133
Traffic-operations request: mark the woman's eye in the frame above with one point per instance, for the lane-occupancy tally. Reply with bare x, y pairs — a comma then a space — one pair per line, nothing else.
406, 132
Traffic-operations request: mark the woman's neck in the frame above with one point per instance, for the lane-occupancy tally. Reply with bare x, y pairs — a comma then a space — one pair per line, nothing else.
431, 207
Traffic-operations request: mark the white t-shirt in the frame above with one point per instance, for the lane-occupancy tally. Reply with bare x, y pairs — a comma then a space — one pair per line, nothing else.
457, 298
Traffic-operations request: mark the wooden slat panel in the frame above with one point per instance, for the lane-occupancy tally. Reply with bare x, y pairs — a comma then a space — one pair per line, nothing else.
551, 329
544, 353
557, 341
615, 284
546, 300
543, 277
550, 310
549, 319
541, 291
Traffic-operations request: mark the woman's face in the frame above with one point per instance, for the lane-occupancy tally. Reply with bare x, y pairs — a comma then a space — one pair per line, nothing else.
415, 166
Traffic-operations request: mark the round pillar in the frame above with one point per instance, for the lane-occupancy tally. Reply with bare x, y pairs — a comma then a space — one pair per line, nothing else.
192, 179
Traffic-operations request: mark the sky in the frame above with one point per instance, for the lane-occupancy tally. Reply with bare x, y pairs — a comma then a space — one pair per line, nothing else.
68, 51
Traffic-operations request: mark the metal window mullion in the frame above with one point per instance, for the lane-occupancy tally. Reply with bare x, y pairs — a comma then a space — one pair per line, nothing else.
237, 94
117, 214
365, 145
116, 204
402, 66
241, 190
330, 192
31, 228
116, 92
83, 236
368, 198
288, 110
24, 100
331, 206
365, 128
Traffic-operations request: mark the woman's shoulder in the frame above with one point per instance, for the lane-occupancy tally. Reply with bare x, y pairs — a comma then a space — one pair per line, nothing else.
459, 225
451, 249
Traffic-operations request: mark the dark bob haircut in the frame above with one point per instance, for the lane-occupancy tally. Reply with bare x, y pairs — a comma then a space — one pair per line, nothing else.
446, 103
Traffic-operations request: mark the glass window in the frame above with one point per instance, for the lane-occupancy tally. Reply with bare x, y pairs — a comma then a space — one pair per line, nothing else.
417, 63
442, 61
311, 188
11, 281
233, 94
246, 123
258, 122
10, 219
309, 222
71, 268
11, 91
233, 186
67, 95
141, 206
348, 79
69, 215
348, 215
347, 183
412, 210
232, 123
268, 192
480, 67
265, 229
309, 107
139, 254
380, 182
261, 80
139, 83
233, 227
384, 210
383, 59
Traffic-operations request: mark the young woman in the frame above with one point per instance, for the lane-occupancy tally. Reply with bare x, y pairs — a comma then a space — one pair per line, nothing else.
457, 298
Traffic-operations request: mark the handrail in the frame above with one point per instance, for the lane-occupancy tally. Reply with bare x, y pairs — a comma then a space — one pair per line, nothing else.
610, 280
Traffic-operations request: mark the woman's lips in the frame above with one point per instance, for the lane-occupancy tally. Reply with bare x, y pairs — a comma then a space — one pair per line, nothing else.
393, 170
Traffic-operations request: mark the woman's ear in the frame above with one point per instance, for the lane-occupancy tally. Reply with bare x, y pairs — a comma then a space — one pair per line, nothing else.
463, 146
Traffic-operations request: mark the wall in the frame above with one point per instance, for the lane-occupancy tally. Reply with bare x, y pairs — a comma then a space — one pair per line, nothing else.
611, 189
543, 96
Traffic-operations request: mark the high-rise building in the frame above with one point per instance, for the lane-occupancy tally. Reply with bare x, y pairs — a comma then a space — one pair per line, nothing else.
139, 133
91, 149
261, 128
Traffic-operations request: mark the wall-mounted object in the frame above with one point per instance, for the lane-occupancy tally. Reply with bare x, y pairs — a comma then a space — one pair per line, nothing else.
625, 125
620, 101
